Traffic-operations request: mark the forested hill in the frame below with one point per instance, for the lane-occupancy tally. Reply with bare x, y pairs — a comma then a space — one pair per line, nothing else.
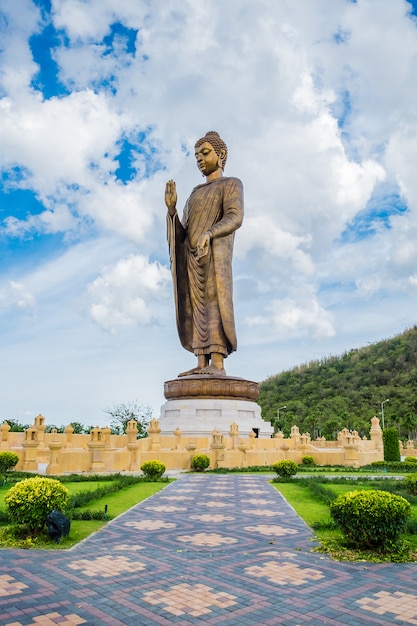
324, 396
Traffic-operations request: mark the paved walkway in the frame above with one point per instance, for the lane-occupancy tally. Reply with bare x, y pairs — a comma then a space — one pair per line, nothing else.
223, 550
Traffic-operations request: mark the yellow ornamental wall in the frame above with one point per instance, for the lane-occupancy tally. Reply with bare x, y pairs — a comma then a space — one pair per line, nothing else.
101, 452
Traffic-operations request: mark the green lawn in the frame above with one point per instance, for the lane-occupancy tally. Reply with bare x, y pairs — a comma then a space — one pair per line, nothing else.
307, 506
117, 503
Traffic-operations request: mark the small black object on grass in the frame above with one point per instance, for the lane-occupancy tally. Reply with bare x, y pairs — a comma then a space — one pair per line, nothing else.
58, 525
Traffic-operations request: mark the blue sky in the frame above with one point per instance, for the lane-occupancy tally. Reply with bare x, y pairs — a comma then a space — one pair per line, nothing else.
102, 102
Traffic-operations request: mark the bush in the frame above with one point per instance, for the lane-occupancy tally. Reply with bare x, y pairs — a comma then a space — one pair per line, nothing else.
371, 519
8, 460
200, 462
285, 469
31, 500
391, 445
408, 459
411, 483
153, 469
400, 466
307, 460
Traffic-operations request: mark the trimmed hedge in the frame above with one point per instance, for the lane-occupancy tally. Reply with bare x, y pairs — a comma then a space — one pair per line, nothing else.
8, 460
81, 498
391, 445
371, 519
308, 460
411, 483
153, 469
31, 500
200, 462
285, 468
394, 466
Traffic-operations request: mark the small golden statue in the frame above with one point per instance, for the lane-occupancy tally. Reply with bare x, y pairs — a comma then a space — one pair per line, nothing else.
201, 248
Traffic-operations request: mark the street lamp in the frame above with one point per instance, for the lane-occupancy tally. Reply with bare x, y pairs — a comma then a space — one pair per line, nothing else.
382, 412
277, 420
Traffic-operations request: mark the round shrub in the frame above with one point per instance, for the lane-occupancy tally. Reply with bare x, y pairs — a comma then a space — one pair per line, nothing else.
286, 468
411, 483
153, 469
8, 460
408, 459
371, 519
31, 500
307, 460
200, 462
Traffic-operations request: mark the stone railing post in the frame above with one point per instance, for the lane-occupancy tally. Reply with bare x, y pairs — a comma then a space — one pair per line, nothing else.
217, 445
234, 435
376, 433
191, 446
243, 448
178, 439
68, 436
39, 424
4, 443
54, 446
30, 448
96, 446
133, 444
153, 431
351, 451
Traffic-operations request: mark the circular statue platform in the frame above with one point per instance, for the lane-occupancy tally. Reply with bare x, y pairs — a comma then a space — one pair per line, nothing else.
199, 404
205, 386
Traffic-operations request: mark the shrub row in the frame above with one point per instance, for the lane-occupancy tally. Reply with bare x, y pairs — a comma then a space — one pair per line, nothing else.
88, 514
84, 497
393, 466
319, 491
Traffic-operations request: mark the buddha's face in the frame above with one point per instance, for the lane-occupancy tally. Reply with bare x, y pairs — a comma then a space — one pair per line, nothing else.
207, 159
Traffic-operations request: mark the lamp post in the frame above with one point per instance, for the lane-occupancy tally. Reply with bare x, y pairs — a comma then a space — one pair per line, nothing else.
382, 412
277, 420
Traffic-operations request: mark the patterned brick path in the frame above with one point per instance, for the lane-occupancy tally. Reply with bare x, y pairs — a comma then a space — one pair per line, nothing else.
209, 549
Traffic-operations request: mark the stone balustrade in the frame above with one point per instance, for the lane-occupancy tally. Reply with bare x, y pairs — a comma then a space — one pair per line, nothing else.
101, 452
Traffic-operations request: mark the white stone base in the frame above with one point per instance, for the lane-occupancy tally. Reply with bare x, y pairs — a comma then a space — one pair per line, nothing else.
199, 417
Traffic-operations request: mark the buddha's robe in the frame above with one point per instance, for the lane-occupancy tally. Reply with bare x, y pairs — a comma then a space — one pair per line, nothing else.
203, 287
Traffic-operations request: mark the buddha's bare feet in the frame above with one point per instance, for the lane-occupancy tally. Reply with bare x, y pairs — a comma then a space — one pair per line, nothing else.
191, 372
213, 371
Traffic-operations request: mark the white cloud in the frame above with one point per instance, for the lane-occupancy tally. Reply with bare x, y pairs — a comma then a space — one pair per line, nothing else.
128, 293
316, 102
296, 316
59, 139
15, 295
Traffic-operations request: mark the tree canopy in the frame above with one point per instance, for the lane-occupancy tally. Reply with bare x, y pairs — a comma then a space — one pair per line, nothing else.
324, 396
123, 412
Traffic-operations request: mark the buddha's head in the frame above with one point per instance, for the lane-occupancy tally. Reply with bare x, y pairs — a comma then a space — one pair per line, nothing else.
216, 143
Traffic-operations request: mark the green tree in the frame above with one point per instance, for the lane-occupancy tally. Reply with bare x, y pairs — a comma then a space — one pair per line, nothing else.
51, 427
408, 425
79, 428
16, 426
346, 391
122, 413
